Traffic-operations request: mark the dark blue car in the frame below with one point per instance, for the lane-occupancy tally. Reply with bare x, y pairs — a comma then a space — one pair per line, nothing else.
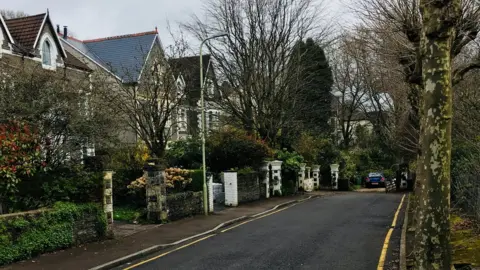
375, 179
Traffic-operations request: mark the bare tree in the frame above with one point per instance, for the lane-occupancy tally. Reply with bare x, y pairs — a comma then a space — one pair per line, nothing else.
59, 104
351, 81
397, 26
11, 14
255, 59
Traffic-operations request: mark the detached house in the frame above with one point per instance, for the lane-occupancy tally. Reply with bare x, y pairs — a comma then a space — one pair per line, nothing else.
128, 60
32, 40
30, 43
187, 71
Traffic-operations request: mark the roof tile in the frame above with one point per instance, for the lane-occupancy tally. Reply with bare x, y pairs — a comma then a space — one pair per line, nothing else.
25, 30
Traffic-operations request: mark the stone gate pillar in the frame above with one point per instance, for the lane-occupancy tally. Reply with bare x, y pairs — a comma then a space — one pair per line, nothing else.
156, 193
277, 176
335, 175
265, 169
316, 176
108, 195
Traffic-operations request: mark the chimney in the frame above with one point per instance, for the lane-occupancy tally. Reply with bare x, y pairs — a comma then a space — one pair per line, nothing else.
65, 32
58, 28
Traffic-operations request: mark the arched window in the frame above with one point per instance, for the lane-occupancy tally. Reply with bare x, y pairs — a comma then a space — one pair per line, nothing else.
47, 53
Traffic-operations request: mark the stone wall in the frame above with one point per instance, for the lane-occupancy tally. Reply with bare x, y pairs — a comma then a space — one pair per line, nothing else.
248, 187
185, 204
85, 229
32, 233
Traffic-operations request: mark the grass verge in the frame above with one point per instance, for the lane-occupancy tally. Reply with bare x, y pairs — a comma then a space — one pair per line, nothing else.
128, 214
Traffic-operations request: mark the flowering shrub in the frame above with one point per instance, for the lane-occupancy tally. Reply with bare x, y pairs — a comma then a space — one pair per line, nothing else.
139, 183
19, 154
176, 179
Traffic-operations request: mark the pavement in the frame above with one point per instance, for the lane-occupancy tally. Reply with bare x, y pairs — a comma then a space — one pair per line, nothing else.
94, 254
335, 232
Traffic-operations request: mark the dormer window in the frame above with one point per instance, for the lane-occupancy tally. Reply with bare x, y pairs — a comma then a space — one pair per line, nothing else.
47, 53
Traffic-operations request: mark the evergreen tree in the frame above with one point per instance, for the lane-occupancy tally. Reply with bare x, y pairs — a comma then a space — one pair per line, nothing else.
316, 86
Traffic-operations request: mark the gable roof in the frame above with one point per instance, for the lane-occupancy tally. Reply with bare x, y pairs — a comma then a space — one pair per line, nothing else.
2, 22
26, 31
124, 56
73, 62
189, 68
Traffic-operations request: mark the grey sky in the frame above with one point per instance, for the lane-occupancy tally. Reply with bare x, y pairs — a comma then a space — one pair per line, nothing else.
100, 18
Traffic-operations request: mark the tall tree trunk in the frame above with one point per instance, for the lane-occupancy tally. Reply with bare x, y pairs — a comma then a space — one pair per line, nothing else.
432, 237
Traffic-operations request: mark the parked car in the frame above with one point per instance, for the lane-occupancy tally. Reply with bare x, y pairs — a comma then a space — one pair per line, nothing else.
375, 179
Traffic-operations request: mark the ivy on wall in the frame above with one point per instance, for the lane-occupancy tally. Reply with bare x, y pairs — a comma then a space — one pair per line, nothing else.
28, 234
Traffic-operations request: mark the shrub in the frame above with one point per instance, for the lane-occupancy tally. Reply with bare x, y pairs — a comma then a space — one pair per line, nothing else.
128, 162
291, 160
122, 195
177, 179
71, 184
309, 147
197, 181
185, 154
290, 169
28, 235
19, 157
233, 149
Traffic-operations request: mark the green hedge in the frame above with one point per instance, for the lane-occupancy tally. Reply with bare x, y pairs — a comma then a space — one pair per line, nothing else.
29, 234
64, 184
197, 181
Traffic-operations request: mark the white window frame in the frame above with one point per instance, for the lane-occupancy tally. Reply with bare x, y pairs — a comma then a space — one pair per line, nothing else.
53, 52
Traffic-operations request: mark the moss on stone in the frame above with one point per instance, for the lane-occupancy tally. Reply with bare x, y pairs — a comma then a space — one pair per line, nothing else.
465, 243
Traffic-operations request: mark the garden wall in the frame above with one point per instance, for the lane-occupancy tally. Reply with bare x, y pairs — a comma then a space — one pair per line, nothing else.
185, 204
28, 234
248, 187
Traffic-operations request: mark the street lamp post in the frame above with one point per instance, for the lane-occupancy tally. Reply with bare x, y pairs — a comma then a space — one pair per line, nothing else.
202, 105
338, 95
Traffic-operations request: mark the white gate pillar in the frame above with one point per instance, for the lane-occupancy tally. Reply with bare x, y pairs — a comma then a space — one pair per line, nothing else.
277, 176
301, 175
231, 188
266, 170
210, 193
316, 176
334, 170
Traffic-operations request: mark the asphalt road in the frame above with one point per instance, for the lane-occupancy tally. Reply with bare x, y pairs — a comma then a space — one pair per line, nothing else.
338, 232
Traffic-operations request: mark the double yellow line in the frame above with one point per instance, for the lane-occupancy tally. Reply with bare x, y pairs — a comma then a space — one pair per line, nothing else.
204, 238
383, 255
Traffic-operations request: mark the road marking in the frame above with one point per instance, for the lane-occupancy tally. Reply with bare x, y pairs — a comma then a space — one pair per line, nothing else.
168, 252
201, 239
383, 255
394, 222
250, 220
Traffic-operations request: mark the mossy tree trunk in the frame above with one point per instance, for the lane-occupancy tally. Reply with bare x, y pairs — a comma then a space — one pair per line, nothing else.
432, 238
